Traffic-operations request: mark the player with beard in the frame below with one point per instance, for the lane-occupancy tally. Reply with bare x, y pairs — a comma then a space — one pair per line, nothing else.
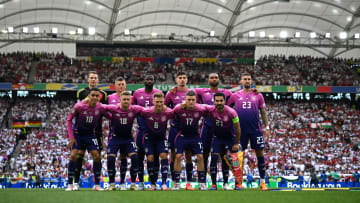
206, 96
247, 105
172, 99
144, 97
226, 130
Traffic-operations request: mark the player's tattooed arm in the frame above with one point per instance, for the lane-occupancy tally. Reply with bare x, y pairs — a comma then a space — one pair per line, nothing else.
265, 121
237, 134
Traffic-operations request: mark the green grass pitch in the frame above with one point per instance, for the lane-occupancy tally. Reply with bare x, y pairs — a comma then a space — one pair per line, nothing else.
247, 195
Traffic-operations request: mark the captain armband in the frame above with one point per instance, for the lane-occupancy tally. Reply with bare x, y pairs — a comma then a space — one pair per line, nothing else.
236, 119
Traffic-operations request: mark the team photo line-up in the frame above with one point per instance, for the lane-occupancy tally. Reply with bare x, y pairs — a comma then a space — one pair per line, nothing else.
204, 122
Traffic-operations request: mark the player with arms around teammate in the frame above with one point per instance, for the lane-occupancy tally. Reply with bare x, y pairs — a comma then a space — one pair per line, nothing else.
82, 94
114, 99
120, 138
225, 122
155, 143
144, 97
188, 137
82, 135
206, 96
247, 105
172, 99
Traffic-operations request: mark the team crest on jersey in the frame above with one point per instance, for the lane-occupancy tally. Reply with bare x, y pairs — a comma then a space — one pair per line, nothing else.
96, 112
226, 118
196, 114
130, 114
163, 118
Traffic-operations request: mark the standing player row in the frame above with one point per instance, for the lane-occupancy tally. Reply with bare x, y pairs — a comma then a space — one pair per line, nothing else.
151, 136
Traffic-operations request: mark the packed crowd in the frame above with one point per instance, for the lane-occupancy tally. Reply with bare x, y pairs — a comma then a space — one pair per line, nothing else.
165, 52
30, 109
268, 70
294, 70
45, 150
15, 67
61, 69
4, 103
7, 145
294, 145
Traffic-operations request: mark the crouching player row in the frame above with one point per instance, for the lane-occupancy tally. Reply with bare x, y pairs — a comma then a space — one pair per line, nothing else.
156, 118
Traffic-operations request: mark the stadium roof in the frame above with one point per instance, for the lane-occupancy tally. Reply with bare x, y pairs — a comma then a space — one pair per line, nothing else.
229, 19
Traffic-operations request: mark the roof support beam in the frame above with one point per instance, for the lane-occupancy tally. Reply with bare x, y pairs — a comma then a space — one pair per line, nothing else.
112, 23
171, 11
288, 13
52, 9
227, 34
318, 1
164, 24
347, 29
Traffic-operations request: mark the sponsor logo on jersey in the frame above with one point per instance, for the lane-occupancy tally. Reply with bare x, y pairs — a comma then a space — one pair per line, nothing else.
241, 98
184, 114
141, 97
85, 113
151, 118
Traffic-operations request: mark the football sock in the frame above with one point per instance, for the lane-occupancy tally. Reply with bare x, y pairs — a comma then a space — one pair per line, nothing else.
97, 172
71, 172
213, 168
164, 170
123, 169
79, 162
189, 171
134, 167
111, 168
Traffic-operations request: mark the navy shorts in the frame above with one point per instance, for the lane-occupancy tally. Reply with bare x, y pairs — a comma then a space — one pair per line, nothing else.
207, 135
256, 141
172, 134
152, 147
188, 143
140, 140
221, 145
86, 142
126, 146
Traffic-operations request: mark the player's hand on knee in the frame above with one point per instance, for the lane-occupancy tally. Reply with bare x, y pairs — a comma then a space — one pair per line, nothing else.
71, 143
